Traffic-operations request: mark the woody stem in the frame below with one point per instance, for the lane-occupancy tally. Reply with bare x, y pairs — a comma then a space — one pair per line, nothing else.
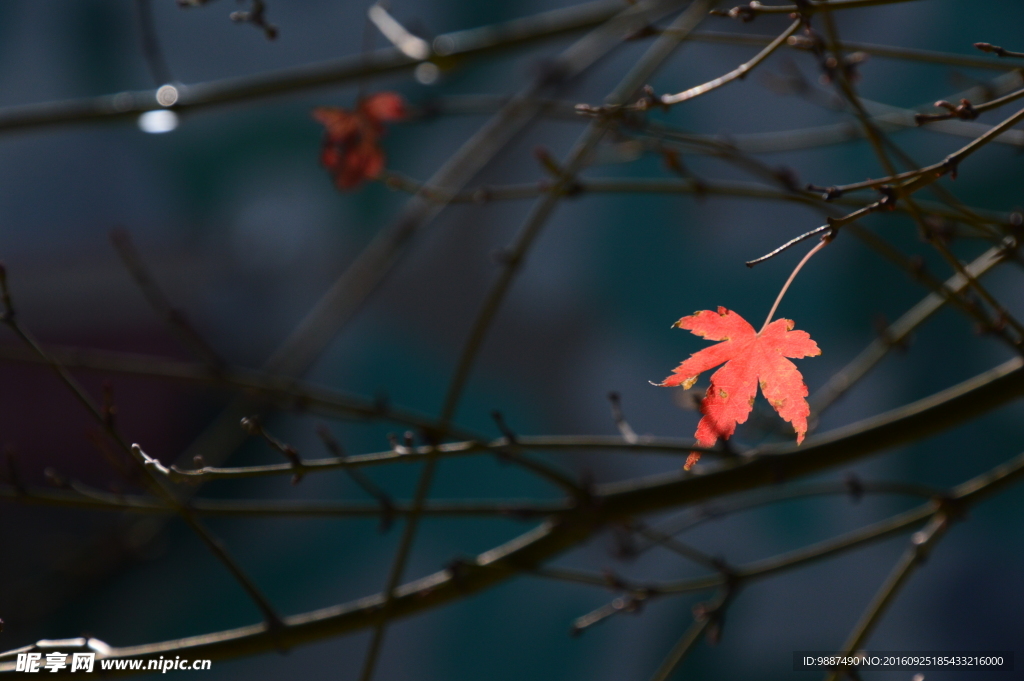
824, 242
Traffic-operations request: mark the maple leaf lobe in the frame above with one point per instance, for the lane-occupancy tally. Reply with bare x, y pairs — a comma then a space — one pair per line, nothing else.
750, 360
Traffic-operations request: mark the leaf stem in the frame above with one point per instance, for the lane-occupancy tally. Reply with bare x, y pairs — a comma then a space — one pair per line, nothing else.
785, 287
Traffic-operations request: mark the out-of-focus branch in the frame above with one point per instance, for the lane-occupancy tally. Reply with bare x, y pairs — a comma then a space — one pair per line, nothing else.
634, 79
998, 51
151, 50
179, 325
897, 333
702, 189
707, 616
145, 465
79, 496
285, 393
884, 117
852, 487
448, 47
377, 260
904, 185
921, 544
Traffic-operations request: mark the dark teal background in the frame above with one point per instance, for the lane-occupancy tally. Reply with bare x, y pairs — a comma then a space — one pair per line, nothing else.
244, 230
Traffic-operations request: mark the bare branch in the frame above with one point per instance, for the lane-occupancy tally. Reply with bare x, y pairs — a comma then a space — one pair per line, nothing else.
998, 51
739, 73
175, 318
921, 544
84, 497
516, 557
150, 466
199, 96
151, 49
755, 8
642, 70
898, 332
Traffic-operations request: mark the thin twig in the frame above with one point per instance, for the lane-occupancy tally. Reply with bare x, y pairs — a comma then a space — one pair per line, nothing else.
662, 47
657, 185
731, 155
581, 443
151, 49
627, 432
664, 101
739, 73
706, 616
257, 16
272, 621
919, 180
457, 45
681, 548
410, 45
921, 544
381, 63
81, 496
950, 166
377, 260
825, 240
254, 426
898, 332
632, 601
387, 505
810, 7
708, 513
175, 318
520, 555
998, 51
789, 244
886, 51
1003, 315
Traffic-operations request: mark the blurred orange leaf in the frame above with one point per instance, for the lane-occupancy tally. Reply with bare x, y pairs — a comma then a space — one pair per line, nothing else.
351, 149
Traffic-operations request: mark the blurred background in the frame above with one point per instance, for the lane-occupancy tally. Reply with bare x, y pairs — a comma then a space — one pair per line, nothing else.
245, 231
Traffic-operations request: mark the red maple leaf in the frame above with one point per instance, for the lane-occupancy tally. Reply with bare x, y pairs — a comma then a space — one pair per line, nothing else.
750, 359
351, 147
